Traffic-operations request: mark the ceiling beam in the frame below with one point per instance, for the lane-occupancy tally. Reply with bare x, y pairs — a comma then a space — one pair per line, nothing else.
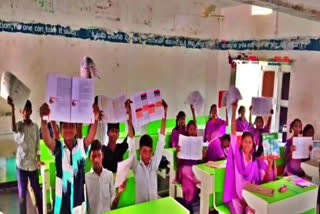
284, 6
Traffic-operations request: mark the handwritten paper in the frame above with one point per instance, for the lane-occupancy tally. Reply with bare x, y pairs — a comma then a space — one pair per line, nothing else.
70, 99
146, 107
271, 145
302, 147
13, 87
261, 106
190, 147
195, 99
114, 110
231, 96
123, 171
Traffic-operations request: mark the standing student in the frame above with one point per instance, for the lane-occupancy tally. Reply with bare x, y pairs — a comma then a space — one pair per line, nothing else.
101, 193
180, 126
185, 175
242, 167
258, 128
293, 166
216, 126
218, 148
28, 155
145, 170
242, 123
70, 158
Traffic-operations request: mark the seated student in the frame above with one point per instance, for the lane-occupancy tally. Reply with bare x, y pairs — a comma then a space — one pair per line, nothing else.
293, 166
99, 182
259, 127
145, 170
218, 148
308, 131
215, 126
185, 174
242, 123
180, 127
242, 167
28, 155
70, 158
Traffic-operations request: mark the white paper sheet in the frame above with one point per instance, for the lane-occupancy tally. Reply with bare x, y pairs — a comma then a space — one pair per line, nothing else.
195, 99
122, 171
302, 147
13, 87
155, 110
190, 148
59, 89
233, 96
82, 100
114, 110
261, 106
315, 153
70, 99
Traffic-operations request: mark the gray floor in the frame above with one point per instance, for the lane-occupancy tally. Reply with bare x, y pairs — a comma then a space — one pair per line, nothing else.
9, 201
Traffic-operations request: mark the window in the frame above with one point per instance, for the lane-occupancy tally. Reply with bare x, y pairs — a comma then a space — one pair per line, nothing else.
260, 11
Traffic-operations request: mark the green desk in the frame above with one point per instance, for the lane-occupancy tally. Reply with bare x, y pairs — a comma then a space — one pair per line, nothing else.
294, 200
212, 180
161, 206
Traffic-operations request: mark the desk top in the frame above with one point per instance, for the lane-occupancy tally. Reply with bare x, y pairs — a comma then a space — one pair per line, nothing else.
292, 191
160, 206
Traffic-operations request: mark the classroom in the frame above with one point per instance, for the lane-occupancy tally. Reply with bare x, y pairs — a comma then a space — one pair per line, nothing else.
149, 106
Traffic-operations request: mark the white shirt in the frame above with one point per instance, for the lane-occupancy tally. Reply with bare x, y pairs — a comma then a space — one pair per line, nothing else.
100, 191
146, 176
28, 145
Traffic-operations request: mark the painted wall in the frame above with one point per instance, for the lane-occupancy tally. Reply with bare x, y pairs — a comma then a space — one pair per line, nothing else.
304, 100
125, 67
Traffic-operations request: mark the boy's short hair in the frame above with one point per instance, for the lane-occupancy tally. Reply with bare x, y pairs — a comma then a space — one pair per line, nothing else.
28, 105
113, 126
95, 145
145, 140
86, 61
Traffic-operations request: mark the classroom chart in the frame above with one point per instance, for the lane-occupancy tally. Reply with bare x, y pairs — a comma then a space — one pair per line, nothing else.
164, 205
295, 200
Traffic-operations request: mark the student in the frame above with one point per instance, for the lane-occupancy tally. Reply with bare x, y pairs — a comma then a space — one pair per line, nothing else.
258, 128
113, 152
180, 126
145, 170
215, 127
218, 148
293, 166
242, 123
70, 158
308, 131
242, 167
28, 155
99, 182
185, 174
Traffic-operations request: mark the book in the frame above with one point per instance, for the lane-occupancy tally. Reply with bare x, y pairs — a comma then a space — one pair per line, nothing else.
70, 99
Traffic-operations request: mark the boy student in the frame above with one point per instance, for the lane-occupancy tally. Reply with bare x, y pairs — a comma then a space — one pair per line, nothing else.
28, 155
145, 170
70, 157
99, 182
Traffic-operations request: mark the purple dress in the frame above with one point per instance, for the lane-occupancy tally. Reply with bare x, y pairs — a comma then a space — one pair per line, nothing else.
214, 130
187, 179
242, 125
257, 133
175, 136
238, 173
293, 166
215, 151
